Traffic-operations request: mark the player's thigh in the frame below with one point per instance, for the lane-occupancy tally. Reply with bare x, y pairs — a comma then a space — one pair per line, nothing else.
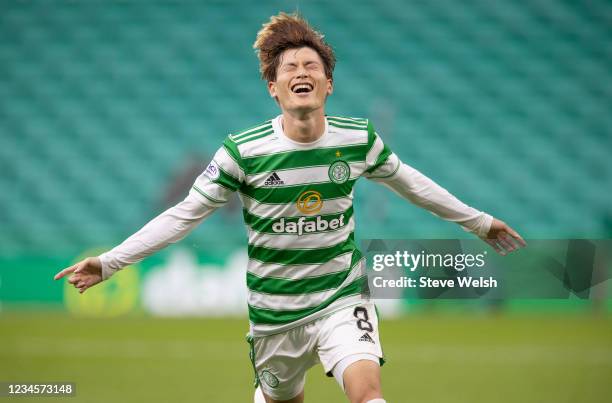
350, 331
362, 381
281, 362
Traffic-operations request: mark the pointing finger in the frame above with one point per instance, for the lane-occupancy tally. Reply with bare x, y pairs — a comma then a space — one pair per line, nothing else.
65, 271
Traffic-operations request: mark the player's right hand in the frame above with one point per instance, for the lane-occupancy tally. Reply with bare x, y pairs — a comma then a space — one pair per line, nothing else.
86, 273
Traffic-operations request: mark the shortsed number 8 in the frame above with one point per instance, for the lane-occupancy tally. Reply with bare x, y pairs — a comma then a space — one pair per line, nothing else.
363, 319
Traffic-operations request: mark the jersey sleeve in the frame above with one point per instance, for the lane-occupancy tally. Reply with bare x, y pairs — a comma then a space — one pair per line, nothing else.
417, 188
222, 177
385, 167
381, 162
169, 227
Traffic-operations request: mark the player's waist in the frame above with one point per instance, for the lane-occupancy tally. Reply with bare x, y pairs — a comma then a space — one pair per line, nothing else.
275, 301
264, 329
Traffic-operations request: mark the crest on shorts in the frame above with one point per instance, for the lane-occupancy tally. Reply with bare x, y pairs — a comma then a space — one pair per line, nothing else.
339, 172
269, 378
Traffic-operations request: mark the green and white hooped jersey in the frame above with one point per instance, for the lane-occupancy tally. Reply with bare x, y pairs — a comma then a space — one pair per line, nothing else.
298, 209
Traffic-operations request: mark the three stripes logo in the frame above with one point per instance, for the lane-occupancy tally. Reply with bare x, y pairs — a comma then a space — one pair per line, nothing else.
274, 180
366, 337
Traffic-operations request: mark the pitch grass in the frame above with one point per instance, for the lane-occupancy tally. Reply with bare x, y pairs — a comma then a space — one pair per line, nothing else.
431, 358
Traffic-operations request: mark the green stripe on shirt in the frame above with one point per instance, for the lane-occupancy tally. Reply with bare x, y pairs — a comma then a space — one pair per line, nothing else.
305, 158
284, 286
274, 317
290, 194
301, 256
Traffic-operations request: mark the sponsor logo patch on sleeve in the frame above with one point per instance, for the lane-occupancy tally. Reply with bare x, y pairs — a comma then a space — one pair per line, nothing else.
212, 171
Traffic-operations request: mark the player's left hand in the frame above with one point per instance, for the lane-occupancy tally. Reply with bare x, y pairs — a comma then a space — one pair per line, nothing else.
503, 238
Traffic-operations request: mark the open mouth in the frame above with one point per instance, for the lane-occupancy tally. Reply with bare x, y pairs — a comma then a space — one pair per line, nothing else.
301, 88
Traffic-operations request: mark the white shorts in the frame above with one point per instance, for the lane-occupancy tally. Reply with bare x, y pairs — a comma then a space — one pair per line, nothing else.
281, 360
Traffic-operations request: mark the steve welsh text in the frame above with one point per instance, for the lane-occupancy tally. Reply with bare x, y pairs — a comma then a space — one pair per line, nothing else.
428, 282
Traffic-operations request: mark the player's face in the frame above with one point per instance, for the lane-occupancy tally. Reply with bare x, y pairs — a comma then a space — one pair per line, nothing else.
301, 84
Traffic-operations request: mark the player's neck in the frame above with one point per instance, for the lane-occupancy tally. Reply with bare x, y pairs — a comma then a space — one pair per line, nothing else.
304, 128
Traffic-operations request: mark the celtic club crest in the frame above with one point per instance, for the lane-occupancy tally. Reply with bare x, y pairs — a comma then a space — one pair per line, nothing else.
339, 172
269, 378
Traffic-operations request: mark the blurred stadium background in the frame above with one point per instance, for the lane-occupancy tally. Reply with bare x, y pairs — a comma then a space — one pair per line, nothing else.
109, 109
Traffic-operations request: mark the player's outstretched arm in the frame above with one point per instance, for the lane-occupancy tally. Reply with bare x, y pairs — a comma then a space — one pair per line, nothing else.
424, 192
169, 227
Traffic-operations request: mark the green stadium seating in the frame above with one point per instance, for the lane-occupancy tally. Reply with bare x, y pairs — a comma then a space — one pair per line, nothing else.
103, 103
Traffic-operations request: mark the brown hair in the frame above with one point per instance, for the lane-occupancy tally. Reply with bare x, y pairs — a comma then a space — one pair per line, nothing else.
289, 31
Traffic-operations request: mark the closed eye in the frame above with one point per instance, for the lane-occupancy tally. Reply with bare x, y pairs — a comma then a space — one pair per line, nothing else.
289, 66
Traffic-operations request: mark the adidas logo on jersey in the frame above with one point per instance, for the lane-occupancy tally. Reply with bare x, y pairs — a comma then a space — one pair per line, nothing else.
274, 180
366, 337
